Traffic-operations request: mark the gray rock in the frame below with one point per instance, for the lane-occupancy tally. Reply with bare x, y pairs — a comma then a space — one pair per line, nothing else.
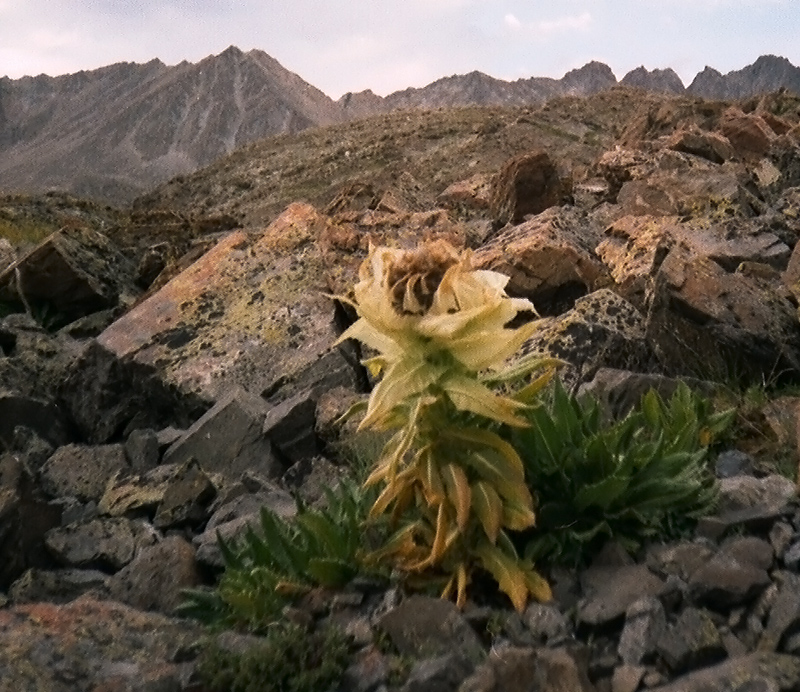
427, 627
733, 462
367, 672
290, 426
681, 559
82, 471
725, 581
645, 624
57, 585
228, 438
784, 614
546, 623
564, 669
104, 543
692, 642
780, 537
627, 678
41, 416
761, 670
186, 498
233, 517
156, 577
508, 669
610, 591
142, 450
440, 674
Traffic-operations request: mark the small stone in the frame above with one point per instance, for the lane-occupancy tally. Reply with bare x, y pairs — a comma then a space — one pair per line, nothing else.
780, 537
627, 678
645, 624
732, 463
693, 641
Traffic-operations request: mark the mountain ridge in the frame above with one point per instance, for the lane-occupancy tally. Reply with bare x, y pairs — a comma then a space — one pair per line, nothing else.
115, 132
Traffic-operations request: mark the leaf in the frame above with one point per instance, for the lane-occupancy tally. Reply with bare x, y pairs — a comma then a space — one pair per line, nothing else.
507, 572
518, 516
512, 468
530, 391
458, 492
494, 470
331, 572
468, 394
488, 507
601, 494
432, 484
537, 585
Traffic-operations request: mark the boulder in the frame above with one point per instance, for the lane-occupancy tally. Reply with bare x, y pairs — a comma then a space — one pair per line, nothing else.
229, 438
749, 134
603, 330
42, 417
93, 645
549, 259
82, 471
472, 194
102, 543
527, 184
252, 311
73, 272
156, 577
704, 319
709, 145
57, 585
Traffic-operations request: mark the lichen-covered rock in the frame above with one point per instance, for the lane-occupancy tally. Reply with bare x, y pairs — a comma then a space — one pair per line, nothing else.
82, 471
549, 259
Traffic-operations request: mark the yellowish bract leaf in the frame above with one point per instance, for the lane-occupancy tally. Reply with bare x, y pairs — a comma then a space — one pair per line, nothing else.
488, 507
458, 492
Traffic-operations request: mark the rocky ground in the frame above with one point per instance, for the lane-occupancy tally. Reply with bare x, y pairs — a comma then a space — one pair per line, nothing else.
163, 377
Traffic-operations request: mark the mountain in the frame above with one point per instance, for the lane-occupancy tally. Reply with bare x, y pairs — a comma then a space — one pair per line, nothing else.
767, 73
114, 133
664, 81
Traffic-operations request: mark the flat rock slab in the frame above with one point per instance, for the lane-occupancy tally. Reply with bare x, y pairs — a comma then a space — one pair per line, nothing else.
751, 672
251, 311
92, 645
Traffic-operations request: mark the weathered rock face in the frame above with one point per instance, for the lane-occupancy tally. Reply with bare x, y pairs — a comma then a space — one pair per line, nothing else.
550, 259
527, 184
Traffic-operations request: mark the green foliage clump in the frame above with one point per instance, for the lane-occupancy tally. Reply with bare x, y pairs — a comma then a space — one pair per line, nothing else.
265, 570
642, 477
290, 659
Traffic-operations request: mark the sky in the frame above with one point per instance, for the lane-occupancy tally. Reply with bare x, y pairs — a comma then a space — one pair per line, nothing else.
344, 46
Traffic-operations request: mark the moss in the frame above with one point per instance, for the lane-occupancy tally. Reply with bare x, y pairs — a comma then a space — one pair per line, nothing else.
289, 659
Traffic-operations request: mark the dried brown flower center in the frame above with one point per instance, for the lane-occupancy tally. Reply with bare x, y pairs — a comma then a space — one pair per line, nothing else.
421, 272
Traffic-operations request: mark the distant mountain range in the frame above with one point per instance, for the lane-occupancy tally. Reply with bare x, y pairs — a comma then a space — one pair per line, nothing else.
116, 132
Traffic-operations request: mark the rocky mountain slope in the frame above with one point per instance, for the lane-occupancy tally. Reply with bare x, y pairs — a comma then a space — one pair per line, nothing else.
116, 132
166, 373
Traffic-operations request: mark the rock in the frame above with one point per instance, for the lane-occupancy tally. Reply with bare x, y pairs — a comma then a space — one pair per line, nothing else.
368, 671
41, 416
142, 450
728, 579
186, 498
546, 623
93, 645
620, 391
75, 271
25, 518
692, 642
103, 543
681, 559
137, 494
627, 678
251, 312
710, 145
645, 624
784, 613
747, 132
762, 670
601, 331
564, 669
440, 674
708, 320
746, 499
82, 471
733, 462
228, 438
290, 427
232, 517
549, 259
472, 194
422, 626
610, 591
58, 585
156, 577
8, 255
527, 184
107, 397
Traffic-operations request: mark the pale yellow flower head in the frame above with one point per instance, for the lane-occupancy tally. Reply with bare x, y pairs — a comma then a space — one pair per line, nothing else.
435, 321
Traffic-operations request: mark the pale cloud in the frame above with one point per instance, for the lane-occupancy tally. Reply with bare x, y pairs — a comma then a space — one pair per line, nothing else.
548, 27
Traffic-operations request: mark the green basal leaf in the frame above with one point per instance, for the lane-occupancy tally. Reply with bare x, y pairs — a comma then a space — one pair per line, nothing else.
331, 572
